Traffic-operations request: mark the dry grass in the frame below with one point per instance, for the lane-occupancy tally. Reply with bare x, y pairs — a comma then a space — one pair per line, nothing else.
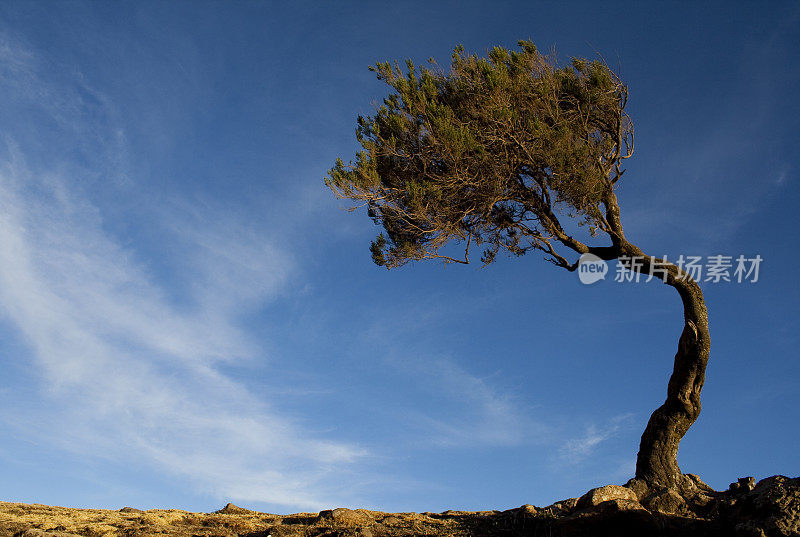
35, 520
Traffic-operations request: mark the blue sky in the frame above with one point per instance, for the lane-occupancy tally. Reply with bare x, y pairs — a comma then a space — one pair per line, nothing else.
188, 317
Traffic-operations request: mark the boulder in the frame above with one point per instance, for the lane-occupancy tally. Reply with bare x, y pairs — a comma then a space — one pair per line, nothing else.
528, 510
345, 517
599, 495
668, 502
619, 505
743, 484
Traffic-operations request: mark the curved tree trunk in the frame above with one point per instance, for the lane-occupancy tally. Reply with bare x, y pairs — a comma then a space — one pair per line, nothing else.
657, 461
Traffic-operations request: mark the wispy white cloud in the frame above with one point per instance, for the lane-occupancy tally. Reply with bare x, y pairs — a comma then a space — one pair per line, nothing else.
577, 449
127, 368
463, 408
466, 410
129, 373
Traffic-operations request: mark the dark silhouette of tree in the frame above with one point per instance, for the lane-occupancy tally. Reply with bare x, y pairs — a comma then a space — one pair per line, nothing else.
496, 154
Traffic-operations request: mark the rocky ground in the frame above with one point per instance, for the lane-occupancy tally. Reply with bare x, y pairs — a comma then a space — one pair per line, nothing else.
769, 508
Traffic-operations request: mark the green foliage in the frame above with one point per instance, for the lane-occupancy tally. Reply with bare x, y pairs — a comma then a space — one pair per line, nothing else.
490, 153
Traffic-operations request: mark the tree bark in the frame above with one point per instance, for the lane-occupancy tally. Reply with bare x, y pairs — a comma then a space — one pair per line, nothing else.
657, 461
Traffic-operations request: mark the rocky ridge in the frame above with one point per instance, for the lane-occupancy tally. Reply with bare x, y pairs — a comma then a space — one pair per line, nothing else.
770, 508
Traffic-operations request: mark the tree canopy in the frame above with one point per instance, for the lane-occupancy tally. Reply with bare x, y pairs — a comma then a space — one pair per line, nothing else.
490, 153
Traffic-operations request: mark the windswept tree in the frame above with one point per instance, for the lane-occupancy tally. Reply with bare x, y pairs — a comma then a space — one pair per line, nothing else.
497, 154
